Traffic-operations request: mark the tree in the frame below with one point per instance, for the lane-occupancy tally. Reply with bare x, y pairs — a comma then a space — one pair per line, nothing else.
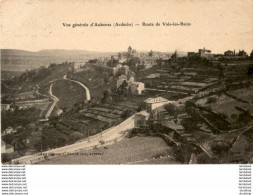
244, 117
125, 114
190, 124
76, 107
93, 61
251, 54
106, 79
183, 152
102, 142
124, 88
171, 109
211, 100
112, 63
250, 70
223, 116
107, 96
234, 116
220, 148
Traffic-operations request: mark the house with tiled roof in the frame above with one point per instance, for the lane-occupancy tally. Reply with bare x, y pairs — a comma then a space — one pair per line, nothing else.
153, 103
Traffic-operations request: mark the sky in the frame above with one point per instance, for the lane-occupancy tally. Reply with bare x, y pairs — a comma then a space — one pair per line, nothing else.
216, 25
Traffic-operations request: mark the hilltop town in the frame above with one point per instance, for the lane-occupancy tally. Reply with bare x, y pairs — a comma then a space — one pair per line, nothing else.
131, 107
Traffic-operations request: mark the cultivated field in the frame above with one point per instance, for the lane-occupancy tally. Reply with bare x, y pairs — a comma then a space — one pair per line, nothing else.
244, 94
226, 105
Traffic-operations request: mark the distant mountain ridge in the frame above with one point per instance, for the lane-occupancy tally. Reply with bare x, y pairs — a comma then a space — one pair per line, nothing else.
7, 52
47, 52
21, 60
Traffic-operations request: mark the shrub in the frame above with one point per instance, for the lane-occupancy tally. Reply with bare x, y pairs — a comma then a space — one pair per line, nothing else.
6, 157
102, 142
76, 135
125, 114
171, 109
220, 148
211, 100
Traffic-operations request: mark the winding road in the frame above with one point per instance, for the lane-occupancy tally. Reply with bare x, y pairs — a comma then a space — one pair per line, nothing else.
54, 103
109, 136
55, 99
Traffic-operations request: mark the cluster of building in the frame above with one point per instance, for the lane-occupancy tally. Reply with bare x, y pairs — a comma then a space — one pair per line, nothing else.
230, 53
123, 56
101, 64
136, 88
148, 59
205, 53
145, 60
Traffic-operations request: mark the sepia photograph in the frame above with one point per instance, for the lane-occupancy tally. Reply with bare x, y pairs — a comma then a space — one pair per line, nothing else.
119, 83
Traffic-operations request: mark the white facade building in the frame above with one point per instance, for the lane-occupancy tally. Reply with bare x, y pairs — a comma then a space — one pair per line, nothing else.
153, 103
137, 88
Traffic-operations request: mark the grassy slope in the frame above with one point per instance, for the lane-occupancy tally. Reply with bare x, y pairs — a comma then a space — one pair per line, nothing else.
137, 150
68, 93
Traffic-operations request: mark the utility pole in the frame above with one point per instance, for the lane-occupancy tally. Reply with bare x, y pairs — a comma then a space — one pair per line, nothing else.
41, 146
101, 130
88, 135
41, 141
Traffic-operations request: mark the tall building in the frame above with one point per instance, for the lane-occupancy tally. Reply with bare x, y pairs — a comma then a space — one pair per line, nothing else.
205, 53
130, 50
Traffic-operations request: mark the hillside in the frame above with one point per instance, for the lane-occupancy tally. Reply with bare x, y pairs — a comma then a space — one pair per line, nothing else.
30, 80
68, 93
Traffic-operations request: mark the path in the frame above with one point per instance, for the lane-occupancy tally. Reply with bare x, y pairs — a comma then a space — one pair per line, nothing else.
163, 90
54, 103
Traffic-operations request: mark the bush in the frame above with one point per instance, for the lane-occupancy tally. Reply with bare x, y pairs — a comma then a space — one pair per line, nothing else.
211, 100
76, 135
171, 109
125, 114
220, 148
182, 153
7, 157
196, 97
102, 142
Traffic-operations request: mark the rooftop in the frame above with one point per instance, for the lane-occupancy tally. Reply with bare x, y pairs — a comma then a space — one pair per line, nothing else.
156, 100
153, 75
144, 113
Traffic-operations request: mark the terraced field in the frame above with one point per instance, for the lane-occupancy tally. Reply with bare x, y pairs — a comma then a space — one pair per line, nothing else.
226, 105
245, 94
